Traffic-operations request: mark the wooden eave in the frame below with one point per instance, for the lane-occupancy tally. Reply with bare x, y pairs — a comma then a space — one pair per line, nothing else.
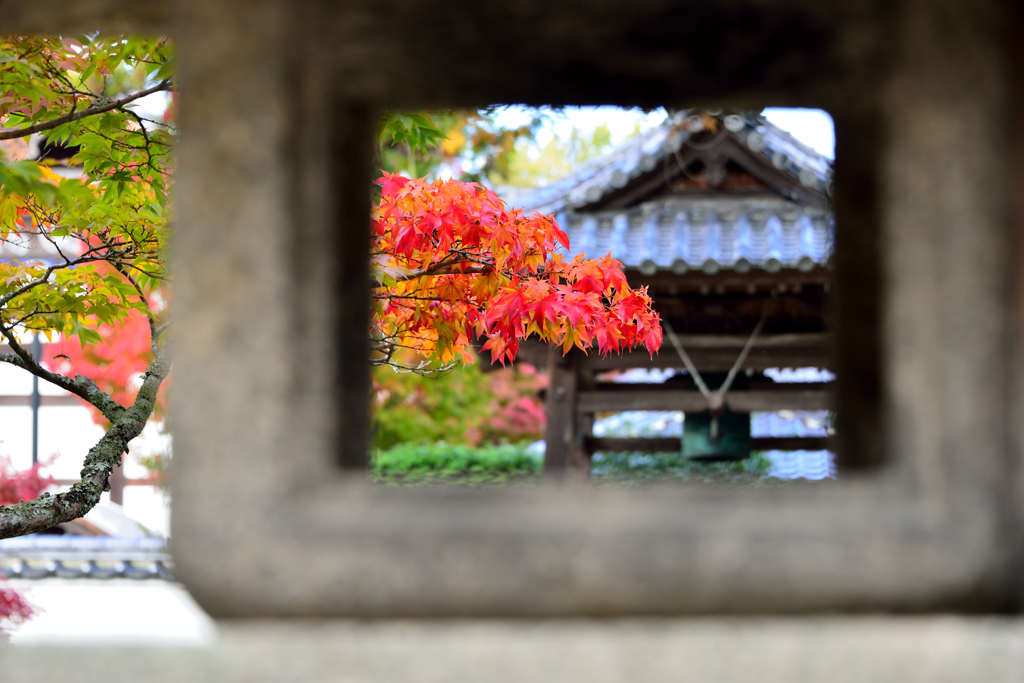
732, 148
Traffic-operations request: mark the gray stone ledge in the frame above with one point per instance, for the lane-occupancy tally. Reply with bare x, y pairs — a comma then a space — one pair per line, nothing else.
761, 650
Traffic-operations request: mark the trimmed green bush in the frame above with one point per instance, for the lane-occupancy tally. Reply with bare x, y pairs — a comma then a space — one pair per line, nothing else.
449, 464
635, 468
441, 463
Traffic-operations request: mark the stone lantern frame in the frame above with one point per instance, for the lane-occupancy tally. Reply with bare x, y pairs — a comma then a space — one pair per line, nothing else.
276, 107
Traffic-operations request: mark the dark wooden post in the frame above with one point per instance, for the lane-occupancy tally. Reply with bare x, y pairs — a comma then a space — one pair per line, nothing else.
560, 434
579, 463
567, 454
858, 293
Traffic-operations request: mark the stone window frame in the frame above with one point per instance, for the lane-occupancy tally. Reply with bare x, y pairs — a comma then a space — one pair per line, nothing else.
266, 524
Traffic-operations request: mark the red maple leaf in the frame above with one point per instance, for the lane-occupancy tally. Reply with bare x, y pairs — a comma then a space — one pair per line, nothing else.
479, 267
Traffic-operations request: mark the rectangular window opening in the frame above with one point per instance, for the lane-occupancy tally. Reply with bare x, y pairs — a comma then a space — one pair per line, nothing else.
724, 217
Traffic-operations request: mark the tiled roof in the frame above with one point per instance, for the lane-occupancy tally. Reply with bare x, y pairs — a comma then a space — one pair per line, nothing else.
85, 557
771, 230
706, 235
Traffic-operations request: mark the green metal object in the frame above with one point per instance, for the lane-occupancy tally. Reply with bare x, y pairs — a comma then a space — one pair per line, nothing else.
732, 441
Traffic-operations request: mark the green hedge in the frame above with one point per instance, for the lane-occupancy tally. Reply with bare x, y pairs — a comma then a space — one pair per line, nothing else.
441, 463
631, 467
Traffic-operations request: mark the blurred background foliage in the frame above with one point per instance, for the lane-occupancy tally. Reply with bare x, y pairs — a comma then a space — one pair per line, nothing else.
465, 406
478, 146
447, 464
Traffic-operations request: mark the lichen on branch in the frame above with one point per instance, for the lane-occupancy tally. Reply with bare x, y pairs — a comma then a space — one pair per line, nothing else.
36, 515
95, 233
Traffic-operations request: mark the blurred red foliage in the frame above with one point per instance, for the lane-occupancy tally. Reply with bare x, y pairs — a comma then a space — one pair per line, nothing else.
515, 411
24, 485
15, 487
14, 609
114, 364
464, 406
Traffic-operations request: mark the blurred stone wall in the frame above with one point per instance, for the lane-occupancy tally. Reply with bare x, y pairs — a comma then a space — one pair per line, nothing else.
276, 101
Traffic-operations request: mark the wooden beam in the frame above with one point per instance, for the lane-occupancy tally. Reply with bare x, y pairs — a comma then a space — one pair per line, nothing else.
766, 400
786, 279
670, 445
641, 444
714, 359
709, 352
774, 399
754, 384
768, 341
650, 399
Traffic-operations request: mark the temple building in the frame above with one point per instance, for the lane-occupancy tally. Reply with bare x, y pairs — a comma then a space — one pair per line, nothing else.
726, 219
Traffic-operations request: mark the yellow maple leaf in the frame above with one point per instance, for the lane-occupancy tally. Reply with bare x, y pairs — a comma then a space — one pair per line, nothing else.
453, 142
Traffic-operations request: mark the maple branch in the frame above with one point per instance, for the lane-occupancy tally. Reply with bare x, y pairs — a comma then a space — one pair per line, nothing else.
46, 236
30, 516
145, 136
13, 133
32, 284
444, 269
28, 316
411, 297
152, 276
154, 332
80, 386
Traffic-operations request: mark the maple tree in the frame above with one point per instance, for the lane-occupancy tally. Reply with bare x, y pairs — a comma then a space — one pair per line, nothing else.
452, 262
102, 231
464, 405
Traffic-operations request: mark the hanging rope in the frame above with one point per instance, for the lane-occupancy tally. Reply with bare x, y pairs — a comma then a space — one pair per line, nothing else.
715, 400
690, 367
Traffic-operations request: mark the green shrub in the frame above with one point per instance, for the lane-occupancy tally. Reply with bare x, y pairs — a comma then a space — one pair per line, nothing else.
442, 463
447, 464
632, 467
464, 406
